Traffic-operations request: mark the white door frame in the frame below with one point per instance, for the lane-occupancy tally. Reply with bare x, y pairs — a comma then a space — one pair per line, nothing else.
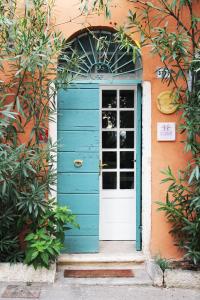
146, 163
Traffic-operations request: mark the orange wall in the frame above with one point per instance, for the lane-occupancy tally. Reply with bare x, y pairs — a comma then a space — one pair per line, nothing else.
163, 153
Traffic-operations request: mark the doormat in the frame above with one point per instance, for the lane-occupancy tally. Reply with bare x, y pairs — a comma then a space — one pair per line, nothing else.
99, 273
17, 291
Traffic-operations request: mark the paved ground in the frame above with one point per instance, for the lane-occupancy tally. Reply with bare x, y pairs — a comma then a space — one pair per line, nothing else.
62, 290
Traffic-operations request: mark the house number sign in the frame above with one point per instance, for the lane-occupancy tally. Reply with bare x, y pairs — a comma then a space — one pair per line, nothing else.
162, 73
166, 131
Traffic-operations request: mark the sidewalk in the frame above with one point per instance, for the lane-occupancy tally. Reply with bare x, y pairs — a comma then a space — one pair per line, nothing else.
95, 290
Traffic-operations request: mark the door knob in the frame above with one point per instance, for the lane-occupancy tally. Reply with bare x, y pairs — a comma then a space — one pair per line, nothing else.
78, 163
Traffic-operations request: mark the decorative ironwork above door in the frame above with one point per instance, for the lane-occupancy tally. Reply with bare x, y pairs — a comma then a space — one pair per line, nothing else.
102, 57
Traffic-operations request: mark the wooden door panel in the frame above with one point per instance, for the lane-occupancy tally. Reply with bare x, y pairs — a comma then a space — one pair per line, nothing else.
78, 185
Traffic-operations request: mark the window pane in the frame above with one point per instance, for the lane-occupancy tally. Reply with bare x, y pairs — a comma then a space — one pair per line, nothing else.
127, 180
109, 139
109, 119
126, 159
109, 99
110, 159
126, 119
109, 180
126, 99
126, 139
126, 63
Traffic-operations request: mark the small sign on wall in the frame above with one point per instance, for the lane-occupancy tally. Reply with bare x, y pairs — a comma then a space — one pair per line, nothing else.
162, 73
166, 131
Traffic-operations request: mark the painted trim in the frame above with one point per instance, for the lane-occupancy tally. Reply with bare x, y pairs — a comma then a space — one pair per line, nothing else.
146, 168
53, 136
138, 168
110, 82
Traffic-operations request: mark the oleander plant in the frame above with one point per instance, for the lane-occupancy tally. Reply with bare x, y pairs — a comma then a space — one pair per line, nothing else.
32, 225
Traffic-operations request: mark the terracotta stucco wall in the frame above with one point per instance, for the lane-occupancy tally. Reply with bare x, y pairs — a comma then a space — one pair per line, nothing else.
163, 153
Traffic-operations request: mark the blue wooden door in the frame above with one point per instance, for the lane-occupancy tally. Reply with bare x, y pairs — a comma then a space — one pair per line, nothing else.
78, 143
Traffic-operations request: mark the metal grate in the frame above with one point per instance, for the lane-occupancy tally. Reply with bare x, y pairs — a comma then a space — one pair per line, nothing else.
102, 57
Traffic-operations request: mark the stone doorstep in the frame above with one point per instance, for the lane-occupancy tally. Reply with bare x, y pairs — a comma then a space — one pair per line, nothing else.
22, 273
135, 261
101, 258
175, 278
101, 265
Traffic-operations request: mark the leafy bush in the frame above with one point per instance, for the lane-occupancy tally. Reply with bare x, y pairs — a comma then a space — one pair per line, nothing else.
42, 249
182, 209
177, 47
31, 225
25, 208
44, 245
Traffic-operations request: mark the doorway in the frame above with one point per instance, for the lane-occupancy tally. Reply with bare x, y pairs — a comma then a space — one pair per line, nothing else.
97, 170
117, 163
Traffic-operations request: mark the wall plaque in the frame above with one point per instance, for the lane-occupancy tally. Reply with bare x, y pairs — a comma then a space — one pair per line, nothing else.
166, 102
166, 131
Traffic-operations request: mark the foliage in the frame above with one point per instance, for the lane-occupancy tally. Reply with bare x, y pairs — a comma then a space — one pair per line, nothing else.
178, 49
44, 245
163, 263
182, 209
28, 51
42, 249
99, 5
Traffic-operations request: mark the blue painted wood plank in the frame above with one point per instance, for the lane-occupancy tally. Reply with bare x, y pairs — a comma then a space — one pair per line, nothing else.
81, 244
80, 203
78, 141
83, 85
78, 183
78, 120
88, 226
78, 98
66, 161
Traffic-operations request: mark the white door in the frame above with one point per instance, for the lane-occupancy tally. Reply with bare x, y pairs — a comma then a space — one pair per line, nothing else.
117, 201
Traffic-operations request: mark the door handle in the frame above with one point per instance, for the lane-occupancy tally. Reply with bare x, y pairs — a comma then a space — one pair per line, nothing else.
101, 166
78, 163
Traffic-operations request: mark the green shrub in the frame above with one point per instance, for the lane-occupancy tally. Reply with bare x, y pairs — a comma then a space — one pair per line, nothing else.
44, 245
25, 208
163, 263
182, 209
31, 225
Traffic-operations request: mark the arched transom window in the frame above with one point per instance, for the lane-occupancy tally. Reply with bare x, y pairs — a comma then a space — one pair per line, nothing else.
102, 56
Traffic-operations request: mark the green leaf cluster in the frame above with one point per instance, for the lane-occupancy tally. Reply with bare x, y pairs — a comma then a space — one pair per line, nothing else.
44, 245
96, 5
182, 209
178, 49
163, 263
32, 227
